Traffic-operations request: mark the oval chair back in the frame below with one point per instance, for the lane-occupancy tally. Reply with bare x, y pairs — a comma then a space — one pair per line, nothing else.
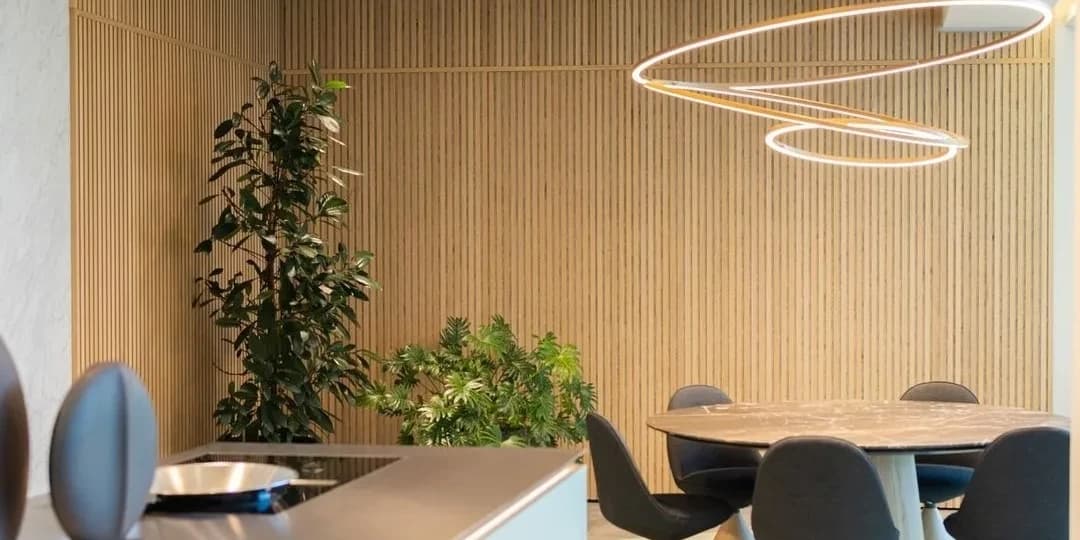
15, 451
823, 485
619, 487
686, 456
940, 391
1019, 490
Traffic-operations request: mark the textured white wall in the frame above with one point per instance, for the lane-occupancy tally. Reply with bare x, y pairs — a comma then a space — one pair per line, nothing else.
35, 210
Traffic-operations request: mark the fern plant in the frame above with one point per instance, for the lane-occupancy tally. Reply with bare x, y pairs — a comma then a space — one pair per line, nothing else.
289, 307
483, 389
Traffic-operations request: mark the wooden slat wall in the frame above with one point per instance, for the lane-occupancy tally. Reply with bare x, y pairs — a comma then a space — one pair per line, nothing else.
513, 168
150, 80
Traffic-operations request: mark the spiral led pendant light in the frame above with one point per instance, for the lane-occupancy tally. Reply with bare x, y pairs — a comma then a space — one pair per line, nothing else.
758, 98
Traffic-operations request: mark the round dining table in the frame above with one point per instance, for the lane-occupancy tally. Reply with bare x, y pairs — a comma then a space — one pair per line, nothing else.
892, 433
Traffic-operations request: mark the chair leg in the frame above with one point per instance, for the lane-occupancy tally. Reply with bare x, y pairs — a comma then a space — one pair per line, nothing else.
932, 524
735, 528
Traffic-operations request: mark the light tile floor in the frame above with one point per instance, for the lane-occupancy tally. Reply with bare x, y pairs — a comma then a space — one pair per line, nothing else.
600, 529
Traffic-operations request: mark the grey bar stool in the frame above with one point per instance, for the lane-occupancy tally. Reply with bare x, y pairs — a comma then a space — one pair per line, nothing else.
820, 488
1020, 489
103, 454
625, 501
716, 470
15, 451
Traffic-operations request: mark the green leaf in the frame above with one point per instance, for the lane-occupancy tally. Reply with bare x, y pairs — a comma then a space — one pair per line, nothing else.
333, 206
249, 202
275, 73
262, 89
330, 124
336, 85
226, 226
224, 128
207, 199
206, 246
313, 70
221, 172
348, 171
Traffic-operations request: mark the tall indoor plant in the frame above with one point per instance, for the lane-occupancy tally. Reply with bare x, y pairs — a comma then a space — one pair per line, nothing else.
284, 295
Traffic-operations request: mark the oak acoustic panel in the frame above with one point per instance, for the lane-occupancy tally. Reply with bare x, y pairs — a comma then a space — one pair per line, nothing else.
150, 81
512, 167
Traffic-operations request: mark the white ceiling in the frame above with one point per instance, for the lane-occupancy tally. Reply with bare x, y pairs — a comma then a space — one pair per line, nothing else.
997, 18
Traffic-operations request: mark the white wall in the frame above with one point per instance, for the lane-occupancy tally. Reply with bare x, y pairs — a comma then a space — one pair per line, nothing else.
35, 210
1067, 228
1064, 200
1074, 504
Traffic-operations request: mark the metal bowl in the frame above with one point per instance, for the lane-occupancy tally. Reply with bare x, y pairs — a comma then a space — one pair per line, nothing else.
219, 478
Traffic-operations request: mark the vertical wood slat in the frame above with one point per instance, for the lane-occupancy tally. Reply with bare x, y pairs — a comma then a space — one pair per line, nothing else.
149, 83
512, 168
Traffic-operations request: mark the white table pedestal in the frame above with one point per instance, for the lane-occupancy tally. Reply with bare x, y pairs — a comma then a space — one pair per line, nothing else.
933, 526
735, 528
897, 473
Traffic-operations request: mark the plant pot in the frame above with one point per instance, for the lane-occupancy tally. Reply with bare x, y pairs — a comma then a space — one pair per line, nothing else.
254, 438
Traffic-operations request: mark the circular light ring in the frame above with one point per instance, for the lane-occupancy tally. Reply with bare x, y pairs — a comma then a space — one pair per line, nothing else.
914, 134
728, 95
940, 155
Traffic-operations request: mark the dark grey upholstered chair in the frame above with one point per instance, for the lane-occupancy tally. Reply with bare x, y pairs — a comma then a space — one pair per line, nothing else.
700, 468
627, 503
15, 450
1020, 489
817, 488
946, 476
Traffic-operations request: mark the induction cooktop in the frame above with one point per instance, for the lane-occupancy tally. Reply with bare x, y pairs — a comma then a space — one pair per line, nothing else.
339, 469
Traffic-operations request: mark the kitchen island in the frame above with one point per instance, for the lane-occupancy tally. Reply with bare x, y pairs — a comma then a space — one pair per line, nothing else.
414, 493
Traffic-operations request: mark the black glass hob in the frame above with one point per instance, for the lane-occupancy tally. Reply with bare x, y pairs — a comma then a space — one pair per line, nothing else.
339, 469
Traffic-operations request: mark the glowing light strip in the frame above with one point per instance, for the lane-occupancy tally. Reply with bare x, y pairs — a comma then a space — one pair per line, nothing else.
732, 97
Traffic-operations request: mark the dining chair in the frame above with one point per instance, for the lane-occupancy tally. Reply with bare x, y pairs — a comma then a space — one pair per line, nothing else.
945, 476
817, 488
15, 451
717, 470
1020, 489
625, 501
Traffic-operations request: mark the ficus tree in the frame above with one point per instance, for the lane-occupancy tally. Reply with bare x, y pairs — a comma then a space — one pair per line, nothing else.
286, 298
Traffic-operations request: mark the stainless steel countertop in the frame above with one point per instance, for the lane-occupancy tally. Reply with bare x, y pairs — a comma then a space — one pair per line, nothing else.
428, 494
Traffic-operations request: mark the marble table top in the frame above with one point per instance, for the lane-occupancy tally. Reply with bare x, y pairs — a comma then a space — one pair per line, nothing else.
875, 426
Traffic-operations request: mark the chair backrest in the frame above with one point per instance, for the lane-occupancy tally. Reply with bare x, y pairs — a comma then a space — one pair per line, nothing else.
624, 498
15, 450
1019, 490
823, 485
940, 391
103, 453
686, 456
952, 393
